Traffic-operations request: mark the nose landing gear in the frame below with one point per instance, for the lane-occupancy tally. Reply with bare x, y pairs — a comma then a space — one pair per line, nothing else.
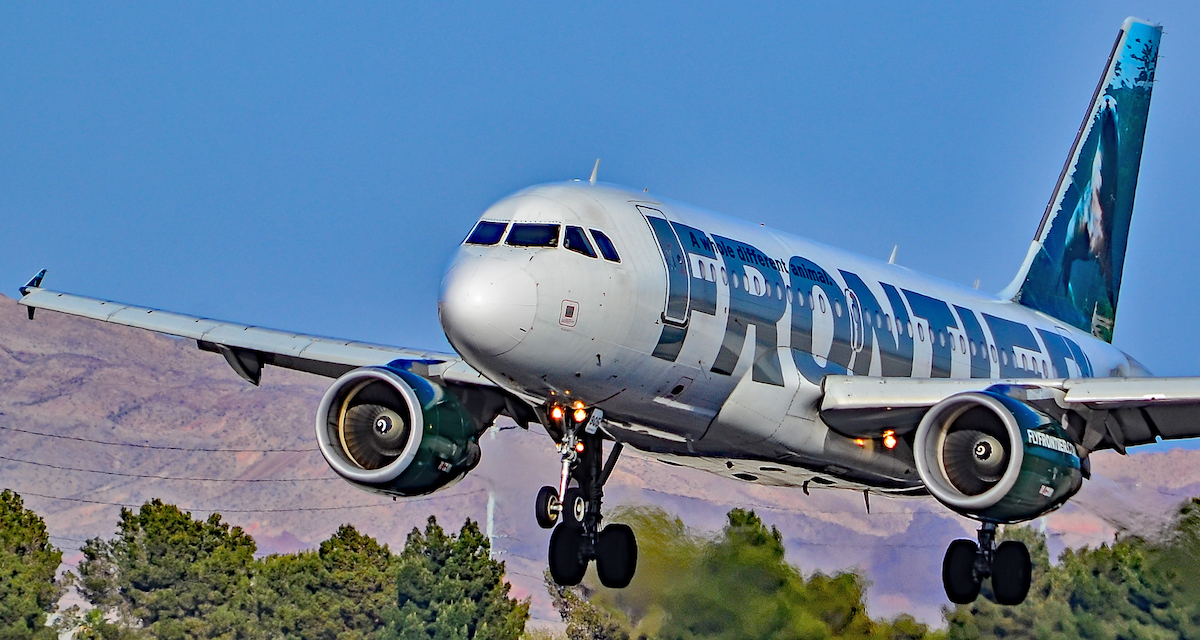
578, 538
967, 564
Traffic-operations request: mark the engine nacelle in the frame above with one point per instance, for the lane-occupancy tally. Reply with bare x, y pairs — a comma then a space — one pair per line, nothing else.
393, 432
990, 457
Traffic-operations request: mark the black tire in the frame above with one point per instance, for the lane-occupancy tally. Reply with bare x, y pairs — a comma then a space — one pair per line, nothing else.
958, 572
616, 556
567, 564
545, 508
573, 507
1012, 571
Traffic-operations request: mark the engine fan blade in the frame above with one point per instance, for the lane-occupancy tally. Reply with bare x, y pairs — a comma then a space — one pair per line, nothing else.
374, 435
974, 461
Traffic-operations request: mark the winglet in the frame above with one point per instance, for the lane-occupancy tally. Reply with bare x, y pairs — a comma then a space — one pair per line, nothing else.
595, 172
34, 283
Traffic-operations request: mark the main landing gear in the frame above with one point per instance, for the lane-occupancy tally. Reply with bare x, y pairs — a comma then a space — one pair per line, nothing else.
967, 564
578, 538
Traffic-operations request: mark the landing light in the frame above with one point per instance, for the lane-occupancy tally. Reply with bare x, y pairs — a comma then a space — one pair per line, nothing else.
860, 442
580, 415
579, 447
889, 439
556, 413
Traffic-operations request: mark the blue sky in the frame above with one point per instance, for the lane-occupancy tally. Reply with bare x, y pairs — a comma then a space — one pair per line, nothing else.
313, 167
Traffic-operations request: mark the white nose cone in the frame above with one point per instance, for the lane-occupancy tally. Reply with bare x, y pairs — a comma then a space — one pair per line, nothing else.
487, 306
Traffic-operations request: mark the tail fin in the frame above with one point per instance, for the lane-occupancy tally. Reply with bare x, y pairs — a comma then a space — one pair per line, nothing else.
1073, 268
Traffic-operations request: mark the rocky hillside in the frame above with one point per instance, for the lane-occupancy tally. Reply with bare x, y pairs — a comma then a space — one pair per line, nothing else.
84, 382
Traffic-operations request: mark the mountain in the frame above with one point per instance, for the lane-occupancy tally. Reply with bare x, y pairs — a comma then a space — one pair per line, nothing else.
78, 382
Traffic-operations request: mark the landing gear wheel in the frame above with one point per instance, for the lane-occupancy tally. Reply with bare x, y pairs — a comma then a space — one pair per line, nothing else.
1012, 572
547, 507
573, 507
567, 564
958, 572
616, 556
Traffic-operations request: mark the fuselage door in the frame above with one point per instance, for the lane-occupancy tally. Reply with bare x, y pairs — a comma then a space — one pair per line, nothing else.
675, 261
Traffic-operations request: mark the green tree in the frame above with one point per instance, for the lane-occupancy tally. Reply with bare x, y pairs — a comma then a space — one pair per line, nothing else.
585, 620
172, 575
449, 587
28, 590
1134, 588
736, 585
342, 591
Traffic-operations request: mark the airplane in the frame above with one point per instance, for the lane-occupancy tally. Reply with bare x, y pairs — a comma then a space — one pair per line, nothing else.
612, 318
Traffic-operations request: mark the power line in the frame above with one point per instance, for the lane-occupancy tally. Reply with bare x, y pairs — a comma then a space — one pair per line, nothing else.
153, 477
152, 446
290, 510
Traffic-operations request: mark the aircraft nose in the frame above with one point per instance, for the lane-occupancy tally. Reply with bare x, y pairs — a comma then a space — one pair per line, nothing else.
487, 306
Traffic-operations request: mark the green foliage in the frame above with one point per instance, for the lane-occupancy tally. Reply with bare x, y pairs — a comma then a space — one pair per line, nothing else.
450, 588
166, 575
341, 591
1133, 588
28, 562
585, 620
172, 575
736, 585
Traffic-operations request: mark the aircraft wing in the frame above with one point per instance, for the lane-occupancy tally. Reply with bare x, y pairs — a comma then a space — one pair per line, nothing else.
248, 349
1099, 413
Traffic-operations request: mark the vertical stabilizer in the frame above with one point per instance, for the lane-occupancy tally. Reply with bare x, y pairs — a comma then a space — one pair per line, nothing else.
1073, 268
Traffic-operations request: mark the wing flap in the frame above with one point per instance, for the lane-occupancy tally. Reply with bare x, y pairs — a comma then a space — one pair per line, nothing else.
314, 354
1114, 412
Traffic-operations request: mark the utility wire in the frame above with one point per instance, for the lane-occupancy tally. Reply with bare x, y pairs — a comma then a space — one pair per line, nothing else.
151, 446
153, 477
290, 510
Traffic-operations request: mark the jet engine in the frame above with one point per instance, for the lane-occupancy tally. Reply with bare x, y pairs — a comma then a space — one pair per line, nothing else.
993, 458
394, 432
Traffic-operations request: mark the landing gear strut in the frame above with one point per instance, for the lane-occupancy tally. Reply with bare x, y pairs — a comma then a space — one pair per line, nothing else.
967, 564
578, 538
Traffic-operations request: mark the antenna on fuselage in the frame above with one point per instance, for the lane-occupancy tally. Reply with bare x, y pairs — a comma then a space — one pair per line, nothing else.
892, 258
595, 171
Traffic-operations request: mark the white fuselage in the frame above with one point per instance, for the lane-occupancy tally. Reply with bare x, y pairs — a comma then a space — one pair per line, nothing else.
706, 344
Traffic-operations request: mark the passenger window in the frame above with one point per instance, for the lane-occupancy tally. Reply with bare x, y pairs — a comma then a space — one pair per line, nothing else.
533, 235
733, 279
724, 279
992, 348
837, 308
712, 273
606, 246
973, 350
1024, 362
487, 233
962, 344
574, 240
821, 298
921, 331
1045, 370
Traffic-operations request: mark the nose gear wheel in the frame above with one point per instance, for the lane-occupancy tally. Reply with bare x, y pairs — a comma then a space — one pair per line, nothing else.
576, 518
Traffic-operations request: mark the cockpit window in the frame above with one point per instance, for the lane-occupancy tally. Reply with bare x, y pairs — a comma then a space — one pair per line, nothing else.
606, 246
533, 235
574, 240
487, 232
